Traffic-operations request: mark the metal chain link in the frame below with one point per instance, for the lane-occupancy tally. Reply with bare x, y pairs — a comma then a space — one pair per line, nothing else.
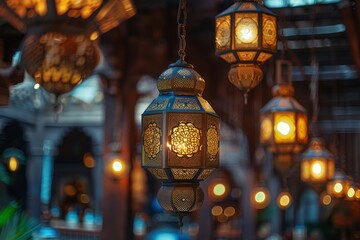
181, 20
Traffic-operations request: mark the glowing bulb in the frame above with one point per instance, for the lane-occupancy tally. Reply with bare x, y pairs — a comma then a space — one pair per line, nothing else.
283, 128
260, 197
284, 201
219, 189
229, 211
216, 211
13, 164
36, 86
351, 192
246, 33
326, 199
94, 36
338, 187
316, 169
117, 166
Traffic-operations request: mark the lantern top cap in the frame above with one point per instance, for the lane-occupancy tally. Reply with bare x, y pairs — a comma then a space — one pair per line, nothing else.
317, 150
283, 90
243, 6
339, 175
181, 78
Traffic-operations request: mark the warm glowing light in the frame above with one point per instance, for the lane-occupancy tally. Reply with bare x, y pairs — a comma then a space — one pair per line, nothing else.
260, 197
357, 193
219, 189
326, 200
216, 211
338, 187
94, 36
89, 160
117, 166
350, 192
229, 211
246, 30
283, 128
36, 86
70, 190
13, 164
316, 169
284, 200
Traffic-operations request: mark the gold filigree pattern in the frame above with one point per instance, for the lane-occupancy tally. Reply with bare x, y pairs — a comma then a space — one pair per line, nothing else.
269, 31
28, 9
152, 140
185, 139
186, 104
158, 104
229, 57
158, 173
76, 8
183, 174
212, 141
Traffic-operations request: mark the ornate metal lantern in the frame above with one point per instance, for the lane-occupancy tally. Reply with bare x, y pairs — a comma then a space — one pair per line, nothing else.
60, 49
246, 37
180, 132
317, 164
283, 125
339, 185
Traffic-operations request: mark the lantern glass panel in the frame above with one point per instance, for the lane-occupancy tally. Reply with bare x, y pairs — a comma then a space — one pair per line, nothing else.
77, 9
269, 31
302, 129
223, 33
28, 9
318, 170
266, 130
284, 127
246, 30
331, 168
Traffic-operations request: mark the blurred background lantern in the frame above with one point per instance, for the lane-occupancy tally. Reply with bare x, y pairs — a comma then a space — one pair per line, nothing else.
325, 198
13, 158
284, 200
180, 132
338, 186
351, 191
246, 37
283, 122
317, 164
60, 49
219, 188
260, 197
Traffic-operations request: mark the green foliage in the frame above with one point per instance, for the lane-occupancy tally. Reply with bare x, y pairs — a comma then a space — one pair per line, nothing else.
18, 227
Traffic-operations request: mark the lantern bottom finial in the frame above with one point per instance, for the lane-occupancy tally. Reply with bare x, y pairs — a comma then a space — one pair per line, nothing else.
245, 76
180, 199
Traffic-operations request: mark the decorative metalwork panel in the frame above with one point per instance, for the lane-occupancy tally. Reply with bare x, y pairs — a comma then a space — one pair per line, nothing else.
185, 104
247, 6
229, 57
246, 30
158, 173
223, 33
158, 104
151, 148
152, 140
263, 57
246, 56
206, 173
212, 141
183, 174
185, 139
269, 32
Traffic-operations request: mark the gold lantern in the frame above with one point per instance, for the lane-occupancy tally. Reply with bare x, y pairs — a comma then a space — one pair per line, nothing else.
60, 49
284, 200
339, 185
246, 37
283, 124
317, 164
180, 134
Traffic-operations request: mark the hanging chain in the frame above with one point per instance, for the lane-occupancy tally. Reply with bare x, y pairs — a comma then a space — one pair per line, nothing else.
181, 20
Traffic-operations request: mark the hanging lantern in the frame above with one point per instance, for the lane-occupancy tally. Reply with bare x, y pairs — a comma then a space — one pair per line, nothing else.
317, 164
116, 167
284, 200
13, 158
339, 185
180, 132
350, 192
260, 197
326, 199
60, 49
283, 124
246, 37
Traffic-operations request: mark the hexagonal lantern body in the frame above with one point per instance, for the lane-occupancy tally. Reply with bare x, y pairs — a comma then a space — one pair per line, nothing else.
317, 164
180, 133
283, 126
246, 36
59, 50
